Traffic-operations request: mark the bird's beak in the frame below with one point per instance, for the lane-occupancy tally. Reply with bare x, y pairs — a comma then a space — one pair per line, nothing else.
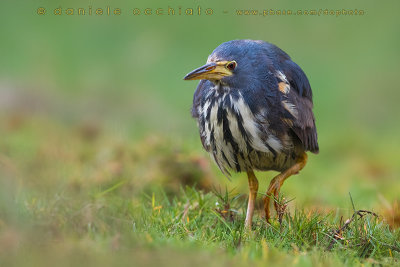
210, 71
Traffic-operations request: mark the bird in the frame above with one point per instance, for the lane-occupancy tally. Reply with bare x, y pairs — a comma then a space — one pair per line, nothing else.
253, 107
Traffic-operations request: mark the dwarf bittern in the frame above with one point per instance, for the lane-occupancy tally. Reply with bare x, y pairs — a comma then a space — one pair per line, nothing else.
254, 106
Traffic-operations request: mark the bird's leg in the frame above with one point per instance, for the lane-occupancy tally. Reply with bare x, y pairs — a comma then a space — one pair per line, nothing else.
253, 186
276, 183
268, 195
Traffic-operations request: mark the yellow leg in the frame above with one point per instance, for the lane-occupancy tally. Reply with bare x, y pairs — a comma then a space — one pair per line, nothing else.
277, 182
253, 186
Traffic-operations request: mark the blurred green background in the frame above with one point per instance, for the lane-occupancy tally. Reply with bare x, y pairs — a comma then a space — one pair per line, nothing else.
88, 101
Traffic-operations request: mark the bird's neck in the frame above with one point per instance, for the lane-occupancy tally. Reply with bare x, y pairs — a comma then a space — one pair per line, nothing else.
221, 87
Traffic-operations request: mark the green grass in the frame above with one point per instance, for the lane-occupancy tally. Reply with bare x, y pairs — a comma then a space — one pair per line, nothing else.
108, 228
69, 196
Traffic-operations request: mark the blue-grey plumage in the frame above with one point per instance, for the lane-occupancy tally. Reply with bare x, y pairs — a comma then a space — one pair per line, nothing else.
254, 109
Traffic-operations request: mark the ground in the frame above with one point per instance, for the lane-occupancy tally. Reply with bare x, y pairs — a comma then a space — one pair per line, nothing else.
78, 195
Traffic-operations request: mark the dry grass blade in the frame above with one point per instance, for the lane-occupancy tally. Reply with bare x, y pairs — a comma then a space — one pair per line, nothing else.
337, 235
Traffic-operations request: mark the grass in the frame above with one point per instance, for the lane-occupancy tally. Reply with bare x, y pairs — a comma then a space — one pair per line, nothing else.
202, 219
190, 225
71, 196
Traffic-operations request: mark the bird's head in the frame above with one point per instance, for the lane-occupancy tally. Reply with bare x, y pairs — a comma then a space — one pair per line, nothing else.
233, 63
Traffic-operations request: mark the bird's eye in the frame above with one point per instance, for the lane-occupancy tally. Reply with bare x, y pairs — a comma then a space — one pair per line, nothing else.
231, 65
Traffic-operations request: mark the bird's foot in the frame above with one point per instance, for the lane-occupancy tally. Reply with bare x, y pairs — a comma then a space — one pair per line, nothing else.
272, 193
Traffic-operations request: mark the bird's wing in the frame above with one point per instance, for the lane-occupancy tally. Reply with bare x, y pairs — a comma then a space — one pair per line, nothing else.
297, 104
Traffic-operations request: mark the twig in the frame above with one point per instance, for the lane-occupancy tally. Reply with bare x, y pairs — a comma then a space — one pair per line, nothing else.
337, 234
